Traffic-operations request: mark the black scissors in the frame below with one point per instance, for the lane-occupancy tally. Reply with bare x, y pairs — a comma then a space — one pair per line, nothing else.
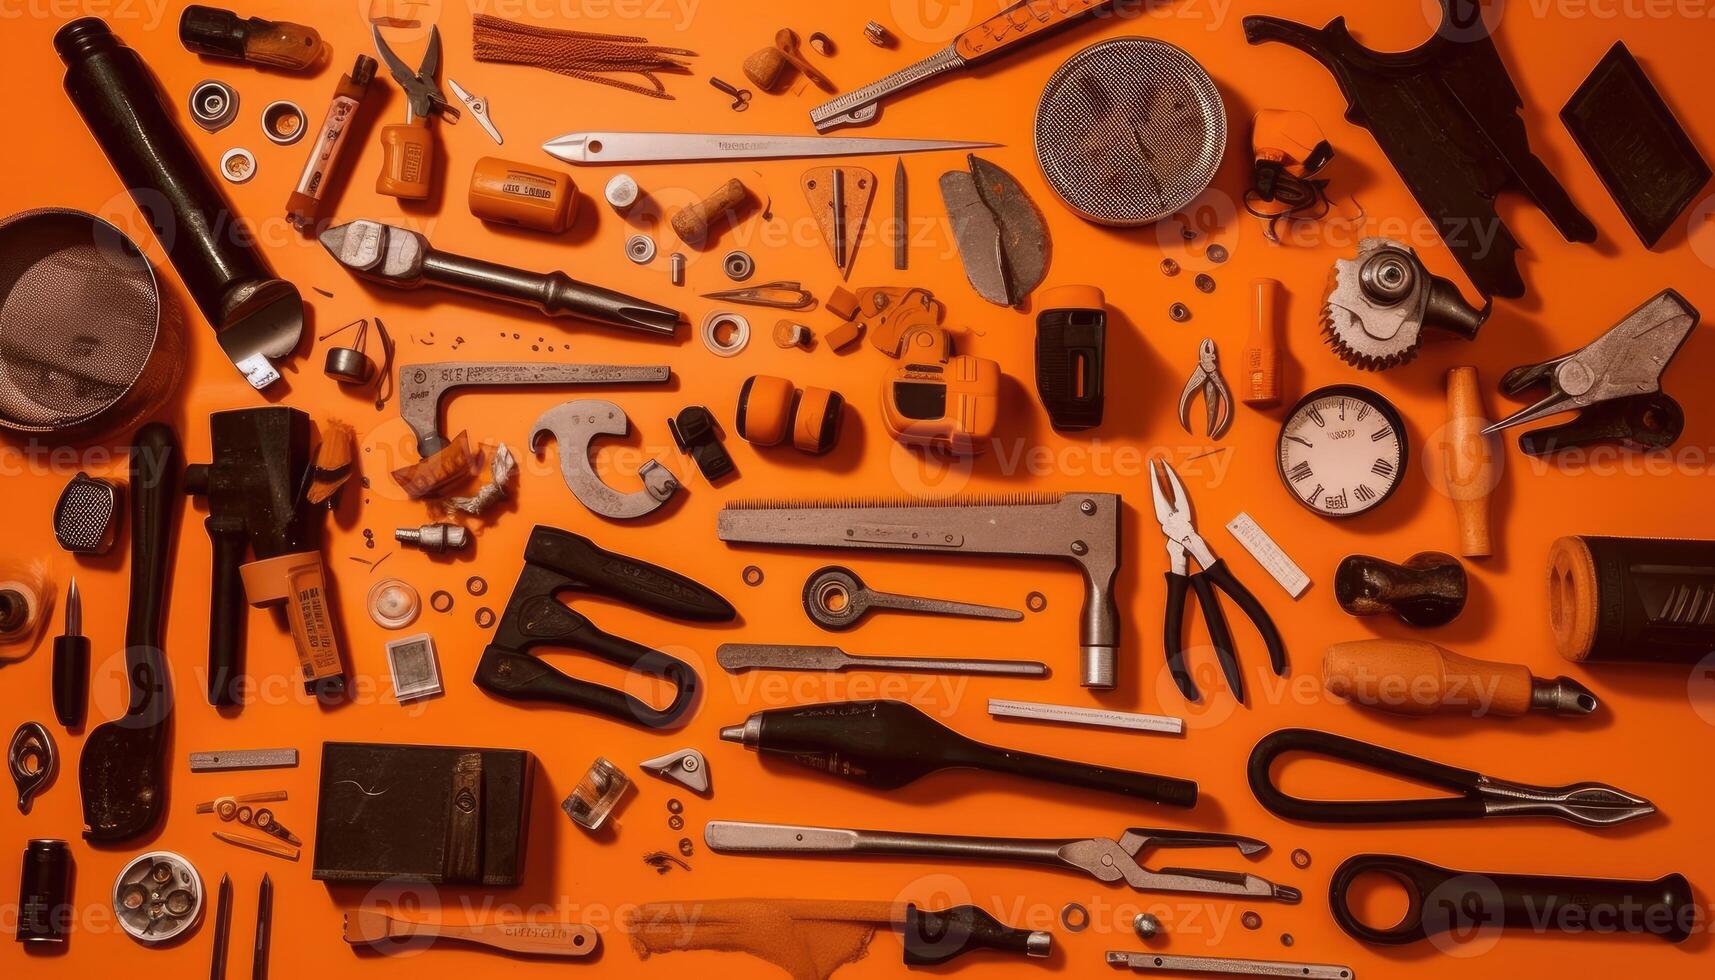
1183, 541
1589, 804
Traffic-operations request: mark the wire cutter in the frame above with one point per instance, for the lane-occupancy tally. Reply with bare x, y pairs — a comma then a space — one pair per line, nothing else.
1613, 383
1102, 858
1183, 540
1217, 397
1588, 804
410, 147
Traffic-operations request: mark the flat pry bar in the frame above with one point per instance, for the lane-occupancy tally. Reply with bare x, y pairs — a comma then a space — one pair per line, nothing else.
1083, 528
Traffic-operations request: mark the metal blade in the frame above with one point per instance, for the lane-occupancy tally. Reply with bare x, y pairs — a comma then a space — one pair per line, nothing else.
1162, 963
628, 147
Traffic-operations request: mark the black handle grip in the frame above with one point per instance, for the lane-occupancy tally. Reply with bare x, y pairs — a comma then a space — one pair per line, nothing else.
1273, 746
227, 614
71, 680
937, 937
1166, 790
119, 100
595, 570
1441, 900
1222, 576
1173, 636
155, 465
1220, 636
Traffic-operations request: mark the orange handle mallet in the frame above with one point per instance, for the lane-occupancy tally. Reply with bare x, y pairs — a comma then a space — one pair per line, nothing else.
1415, 677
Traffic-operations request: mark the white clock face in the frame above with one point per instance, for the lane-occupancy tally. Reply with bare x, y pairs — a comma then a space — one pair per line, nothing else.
1342, 451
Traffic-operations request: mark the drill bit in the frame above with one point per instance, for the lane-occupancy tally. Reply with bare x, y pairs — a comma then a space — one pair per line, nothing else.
222, 929
264, 925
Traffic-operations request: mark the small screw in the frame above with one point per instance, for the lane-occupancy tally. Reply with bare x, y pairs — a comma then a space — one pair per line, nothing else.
1169, 267
677, 822
674, 806
676, 268
1179, 312
1205, 282
1251, 920
1217, 254
685, 846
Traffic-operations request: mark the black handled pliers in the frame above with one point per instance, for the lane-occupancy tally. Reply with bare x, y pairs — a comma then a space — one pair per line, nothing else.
1183, 543
558, 561
1588, 804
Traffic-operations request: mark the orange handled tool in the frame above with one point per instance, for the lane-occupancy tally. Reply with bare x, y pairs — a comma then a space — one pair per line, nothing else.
1415, 677
408, 166
1006, 31
1262, 355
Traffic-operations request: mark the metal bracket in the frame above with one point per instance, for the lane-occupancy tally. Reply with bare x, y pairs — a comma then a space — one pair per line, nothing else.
574, 426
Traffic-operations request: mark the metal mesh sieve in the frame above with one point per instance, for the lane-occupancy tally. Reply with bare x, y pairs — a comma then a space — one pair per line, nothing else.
1130, 130
84, 345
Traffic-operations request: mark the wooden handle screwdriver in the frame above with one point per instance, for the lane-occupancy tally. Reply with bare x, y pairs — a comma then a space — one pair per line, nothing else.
1415, 677
1471, 467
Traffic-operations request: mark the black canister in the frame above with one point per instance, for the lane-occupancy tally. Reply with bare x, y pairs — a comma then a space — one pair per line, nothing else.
44, 893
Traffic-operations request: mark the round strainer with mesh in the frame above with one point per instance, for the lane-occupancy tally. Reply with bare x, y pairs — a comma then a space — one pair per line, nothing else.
1130, 131
84, 345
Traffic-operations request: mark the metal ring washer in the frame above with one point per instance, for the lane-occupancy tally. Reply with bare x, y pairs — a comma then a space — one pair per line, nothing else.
237, 165
712, 333
1075, 917
738, 265
1300, 858
279, 110
476, 585
1036, 602
484, 618
640, 249
441, 601
213, 104
752, 575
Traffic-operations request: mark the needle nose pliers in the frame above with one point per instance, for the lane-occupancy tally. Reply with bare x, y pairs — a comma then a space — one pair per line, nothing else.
1217, 397
1182, 541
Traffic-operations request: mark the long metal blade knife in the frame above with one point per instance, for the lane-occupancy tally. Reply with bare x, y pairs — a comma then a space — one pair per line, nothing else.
598, 148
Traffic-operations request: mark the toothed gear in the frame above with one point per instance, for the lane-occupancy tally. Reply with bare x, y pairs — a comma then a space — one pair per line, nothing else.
1373, 318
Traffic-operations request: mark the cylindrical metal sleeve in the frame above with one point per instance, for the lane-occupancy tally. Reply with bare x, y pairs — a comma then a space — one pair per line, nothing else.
118, 99
1632, 600
44, 893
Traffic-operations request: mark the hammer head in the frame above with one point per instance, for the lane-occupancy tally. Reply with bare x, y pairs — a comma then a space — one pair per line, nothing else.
385, 253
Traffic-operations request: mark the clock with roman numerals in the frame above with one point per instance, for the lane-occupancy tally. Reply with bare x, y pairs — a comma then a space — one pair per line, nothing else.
1342, 450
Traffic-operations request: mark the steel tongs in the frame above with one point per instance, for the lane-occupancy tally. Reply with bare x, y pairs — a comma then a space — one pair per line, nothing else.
1589, 804
1102, 858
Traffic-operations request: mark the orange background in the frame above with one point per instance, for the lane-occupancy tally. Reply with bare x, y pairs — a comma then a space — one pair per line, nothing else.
1647, 739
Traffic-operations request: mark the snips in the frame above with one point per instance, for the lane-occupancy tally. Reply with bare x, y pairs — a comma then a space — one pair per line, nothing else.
1586, 804
1183, 542
1613, 383
1102, 858
558, 561
1217, 397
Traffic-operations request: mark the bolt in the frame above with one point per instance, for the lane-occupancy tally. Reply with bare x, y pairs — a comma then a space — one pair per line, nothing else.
676, 268
436, 539
1080, 549
1088, 507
